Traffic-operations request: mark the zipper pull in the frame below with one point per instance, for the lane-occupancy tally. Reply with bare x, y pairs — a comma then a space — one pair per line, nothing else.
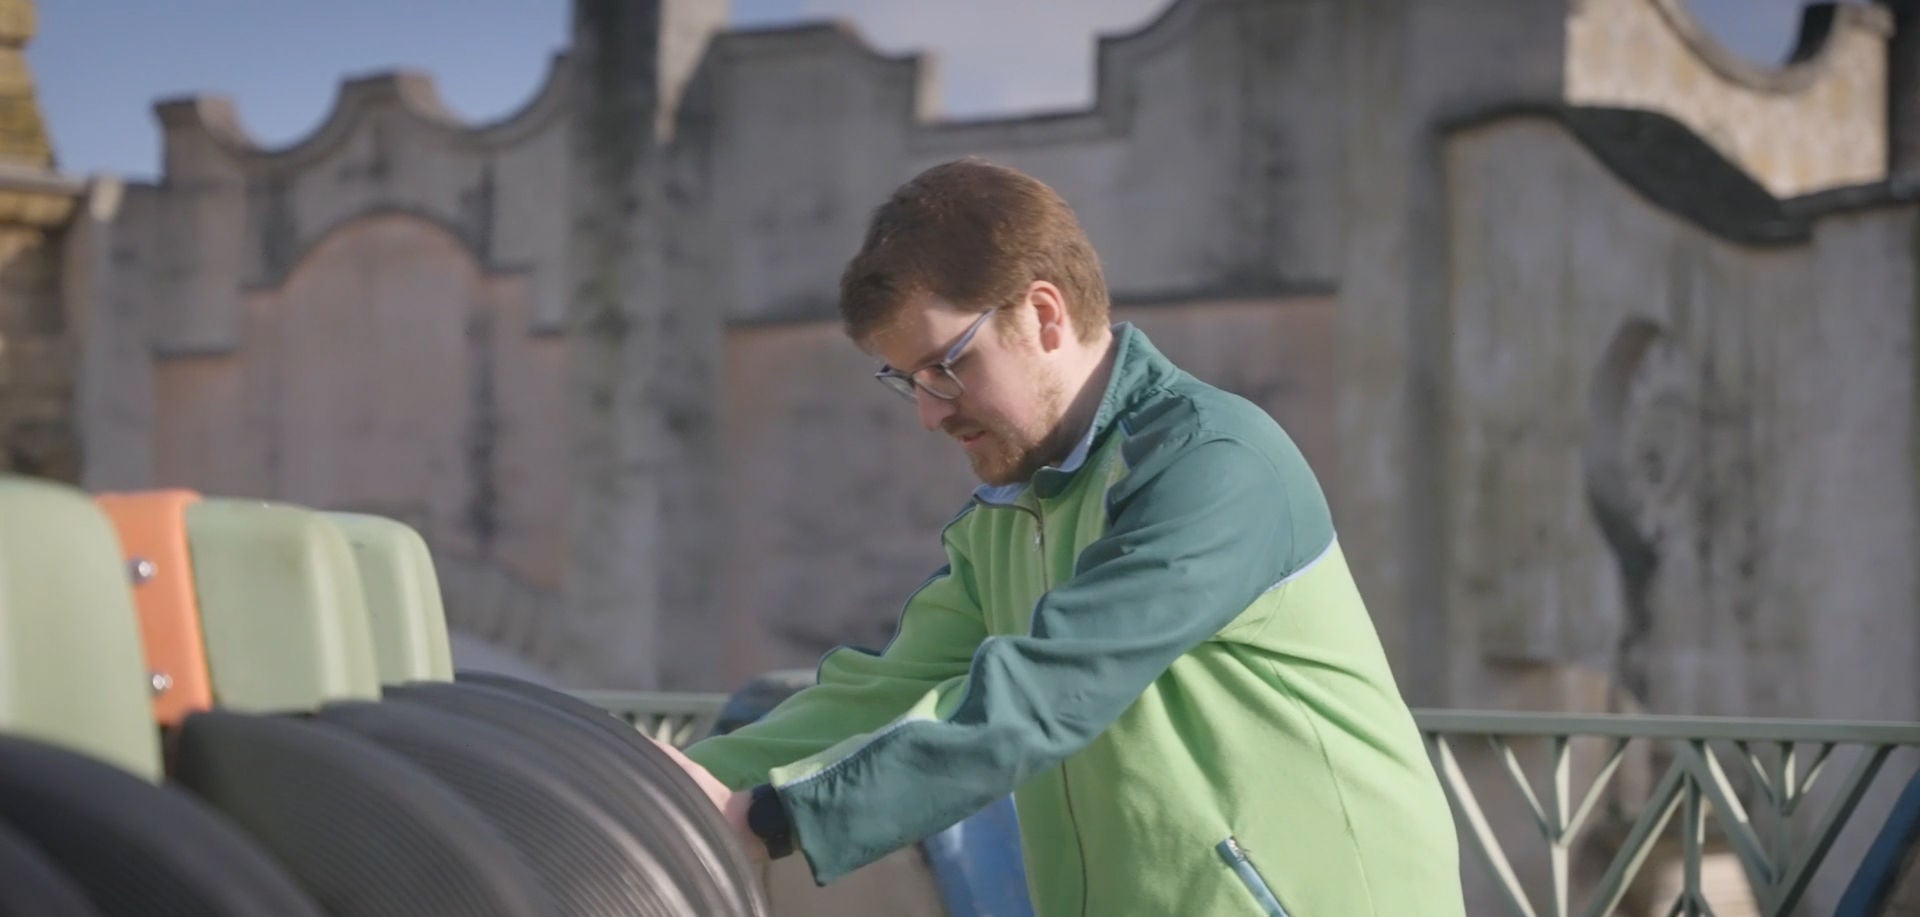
1236, 859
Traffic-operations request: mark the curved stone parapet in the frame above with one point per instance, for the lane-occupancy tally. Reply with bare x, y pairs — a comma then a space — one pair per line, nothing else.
409, 94
389, 144
1816, 121
836, 38
1118, 61
915, 77
211, 116
1677, 171
1211, 124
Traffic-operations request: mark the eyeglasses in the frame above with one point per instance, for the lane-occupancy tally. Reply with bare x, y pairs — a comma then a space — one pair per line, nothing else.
936, 379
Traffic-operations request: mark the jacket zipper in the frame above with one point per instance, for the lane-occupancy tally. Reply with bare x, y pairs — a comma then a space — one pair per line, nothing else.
1039, 545
1073, 822
1039, 537
1236, 857
1066, 788
1046, 585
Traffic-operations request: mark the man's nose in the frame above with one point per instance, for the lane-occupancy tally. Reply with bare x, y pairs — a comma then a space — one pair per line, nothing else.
932, 410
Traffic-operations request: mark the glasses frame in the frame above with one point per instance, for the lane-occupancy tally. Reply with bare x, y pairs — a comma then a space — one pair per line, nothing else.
904, 383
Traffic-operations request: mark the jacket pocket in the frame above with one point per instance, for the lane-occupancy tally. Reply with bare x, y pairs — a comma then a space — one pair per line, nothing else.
1236, 857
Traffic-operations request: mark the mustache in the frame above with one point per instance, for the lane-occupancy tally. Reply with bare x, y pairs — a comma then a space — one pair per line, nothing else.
956, 427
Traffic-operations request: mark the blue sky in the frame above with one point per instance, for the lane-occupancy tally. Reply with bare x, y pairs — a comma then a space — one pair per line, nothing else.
101, 64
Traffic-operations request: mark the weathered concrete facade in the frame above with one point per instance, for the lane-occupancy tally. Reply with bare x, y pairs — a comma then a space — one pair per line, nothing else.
1587, 394
1697, 475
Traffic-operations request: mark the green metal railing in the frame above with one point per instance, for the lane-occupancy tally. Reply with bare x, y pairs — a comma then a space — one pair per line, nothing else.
676, 719
1759, 809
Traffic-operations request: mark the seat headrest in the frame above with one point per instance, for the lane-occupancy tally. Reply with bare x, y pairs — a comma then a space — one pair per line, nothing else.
72, 670
281, 607
403, 598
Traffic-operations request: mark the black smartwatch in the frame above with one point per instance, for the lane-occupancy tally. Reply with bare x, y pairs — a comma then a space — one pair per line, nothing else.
767, 818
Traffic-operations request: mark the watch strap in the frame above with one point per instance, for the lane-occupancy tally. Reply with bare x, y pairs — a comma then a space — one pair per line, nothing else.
767, 818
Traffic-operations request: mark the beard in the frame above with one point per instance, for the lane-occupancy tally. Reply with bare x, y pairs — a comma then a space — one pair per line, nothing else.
1008, 454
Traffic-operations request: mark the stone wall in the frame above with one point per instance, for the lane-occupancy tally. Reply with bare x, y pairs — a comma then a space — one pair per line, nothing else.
1407, 70
606, 322
1673, 457
387, 314
389, 372
243, 216
1199, 171
738, 207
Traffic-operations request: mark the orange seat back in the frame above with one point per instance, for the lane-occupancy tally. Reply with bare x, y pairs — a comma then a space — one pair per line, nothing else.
153, 537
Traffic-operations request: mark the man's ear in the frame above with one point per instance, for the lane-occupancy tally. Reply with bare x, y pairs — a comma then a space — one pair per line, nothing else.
1050, 312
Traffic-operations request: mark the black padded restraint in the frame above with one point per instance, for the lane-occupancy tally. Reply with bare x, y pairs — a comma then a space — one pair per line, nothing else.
31, 886
366, 831
589, 861
665, 772
708, 865
134, 848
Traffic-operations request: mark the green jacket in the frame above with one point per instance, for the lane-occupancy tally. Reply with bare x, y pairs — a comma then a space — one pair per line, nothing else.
1158, 648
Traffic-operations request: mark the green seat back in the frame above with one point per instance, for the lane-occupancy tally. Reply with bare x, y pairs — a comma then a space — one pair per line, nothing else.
72, 669
403, 598
281, 607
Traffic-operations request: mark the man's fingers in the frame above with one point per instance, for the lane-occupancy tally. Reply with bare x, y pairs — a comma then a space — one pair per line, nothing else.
716, 792
732, 805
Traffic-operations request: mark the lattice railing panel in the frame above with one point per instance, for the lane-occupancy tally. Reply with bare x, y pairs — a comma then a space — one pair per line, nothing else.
1750, 785
676, 719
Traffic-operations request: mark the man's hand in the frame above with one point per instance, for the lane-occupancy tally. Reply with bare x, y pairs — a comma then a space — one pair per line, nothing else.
732, 805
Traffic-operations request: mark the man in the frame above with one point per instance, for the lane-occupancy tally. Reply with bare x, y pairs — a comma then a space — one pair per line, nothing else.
1145, 630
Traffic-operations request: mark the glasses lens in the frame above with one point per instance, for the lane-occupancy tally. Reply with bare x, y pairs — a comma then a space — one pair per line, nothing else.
940, 383
900, 385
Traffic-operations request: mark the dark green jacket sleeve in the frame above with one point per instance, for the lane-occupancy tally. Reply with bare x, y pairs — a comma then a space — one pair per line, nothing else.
1196, 531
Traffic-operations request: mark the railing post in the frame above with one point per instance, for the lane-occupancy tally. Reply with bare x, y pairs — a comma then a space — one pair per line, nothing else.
1562, 835
1693, 827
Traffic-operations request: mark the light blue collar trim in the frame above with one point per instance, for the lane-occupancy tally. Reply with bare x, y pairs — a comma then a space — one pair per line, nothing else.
1078, 456
1009, 493
1003, 494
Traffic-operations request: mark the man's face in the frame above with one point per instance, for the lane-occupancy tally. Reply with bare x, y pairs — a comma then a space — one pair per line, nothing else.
1011, 399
